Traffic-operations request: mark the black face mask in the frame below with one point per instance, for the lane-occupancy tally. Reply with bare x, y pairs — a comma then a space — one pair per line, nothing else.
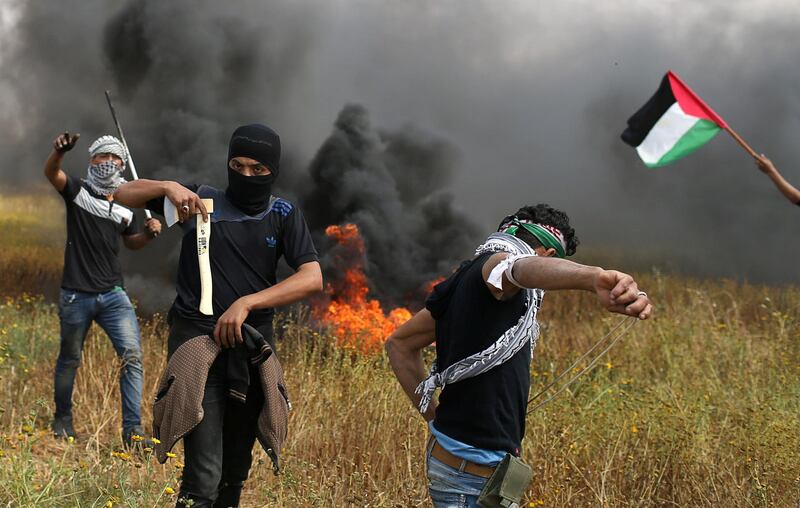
249, 194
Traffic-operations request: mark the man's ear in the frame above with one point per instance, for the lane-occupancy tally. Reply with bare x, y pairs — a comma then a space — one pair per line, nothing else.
550, 252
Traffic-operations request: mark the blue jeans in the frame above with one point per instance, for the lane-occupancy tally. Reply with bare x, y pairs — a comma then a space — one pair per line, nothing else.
451, 488
114, 313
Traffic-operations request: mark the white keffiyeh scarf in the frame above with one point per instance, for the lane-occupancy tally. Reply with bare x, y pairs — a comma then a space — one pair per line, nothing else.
506, 346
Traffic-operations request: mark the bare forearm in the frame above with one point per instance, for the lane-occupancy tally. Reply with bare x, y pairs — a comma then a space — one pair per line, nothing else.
787, 189
53, 171
409, 369
137, 241
301, 284
53, 164
553, 273
137, 193
404, 349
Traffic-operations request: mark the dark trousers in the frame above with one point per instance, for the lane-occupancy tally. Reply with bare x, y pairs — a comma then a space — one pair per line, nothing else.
218, 452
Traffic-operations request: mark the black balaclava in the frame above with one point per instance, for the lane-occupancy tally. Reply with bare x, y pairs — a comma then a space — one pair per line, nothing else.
251, 194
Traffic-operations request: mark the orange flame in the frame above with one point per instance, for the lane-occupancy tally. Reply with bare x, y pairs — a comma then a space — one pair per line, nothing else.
357, 321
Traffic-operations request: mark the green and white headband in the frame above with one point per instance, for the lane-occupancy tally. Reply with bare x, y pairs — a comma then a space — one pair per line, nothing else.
549, 236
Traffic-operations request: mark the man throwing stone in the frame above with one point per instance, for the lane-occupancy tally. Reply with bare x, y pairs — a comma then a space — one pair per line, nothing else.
92, 288
483, 319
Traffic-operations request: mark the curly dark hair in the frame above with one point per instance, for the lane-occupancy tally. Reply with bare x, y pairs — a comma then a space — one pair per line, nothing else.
543, 214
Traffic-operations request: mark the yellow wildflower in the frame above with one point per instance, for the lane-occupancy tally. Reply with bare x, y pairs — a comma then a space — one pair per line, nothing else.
171, 455
634, 429
156, 441
609, 365
109, 504
137, 438
169, 490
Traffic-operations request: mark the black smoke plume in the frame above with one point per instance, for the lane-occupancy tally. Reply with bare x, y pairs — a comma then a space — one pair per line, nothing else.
530, 98
388, 183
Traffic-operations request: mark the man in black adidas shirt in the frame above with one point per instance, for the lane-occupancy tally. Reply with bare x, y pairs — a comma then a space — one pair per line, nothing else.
92, 285
485, 310
251, 229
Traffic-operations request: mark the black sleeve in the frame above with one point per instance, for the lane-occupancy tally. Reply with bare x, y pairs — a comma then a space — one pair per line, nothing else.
439, 299
71, 189
156, 205
133, 227
298, 248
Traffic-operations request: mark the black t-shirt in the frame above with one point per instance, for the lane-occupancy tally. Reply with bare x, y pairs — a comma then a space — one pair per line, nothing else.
486, 411
94, 226
244, 251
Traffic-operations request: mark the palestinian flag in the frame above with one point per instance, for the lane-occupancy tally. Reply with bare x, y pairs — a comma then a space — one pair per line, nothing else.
674, 123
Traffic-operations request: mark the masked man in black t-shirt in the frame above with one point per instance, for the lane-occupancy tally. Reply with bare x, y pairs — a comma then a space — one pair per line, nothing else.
92, 286
251, 229
483, 319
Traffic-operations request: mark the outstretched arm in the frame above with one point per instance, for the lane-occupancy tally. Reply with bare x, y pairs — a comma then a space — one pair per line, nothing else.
617, 291
306, 281
137, 193
404, 348
52, 167
787, 189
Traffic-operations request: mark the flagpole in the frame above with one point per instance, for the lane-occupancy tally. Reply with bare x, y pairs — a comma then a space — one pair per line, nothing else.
741, 142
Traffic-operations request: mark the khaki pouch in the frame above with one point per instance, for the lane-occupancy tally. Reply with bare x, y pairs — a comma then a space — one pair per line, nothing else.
506, 486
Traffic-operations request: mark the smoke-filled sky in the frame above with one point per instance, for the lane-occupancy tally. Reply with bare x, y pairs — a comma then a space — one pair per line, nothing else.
496, 103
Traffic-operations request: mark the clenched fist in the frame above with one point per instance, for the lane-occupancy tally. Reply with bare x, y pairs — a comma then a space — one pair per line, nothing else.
152, 227
65, 142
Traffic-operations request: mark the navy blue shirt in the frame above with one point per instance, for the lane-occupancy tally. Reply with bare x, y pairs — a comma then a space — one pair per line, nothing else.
244, 251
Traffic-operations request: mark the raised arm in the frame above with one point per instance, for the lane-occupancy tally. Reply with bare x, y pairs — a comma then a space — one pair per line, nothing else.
52, 166
404, 348
787, 189
617, 291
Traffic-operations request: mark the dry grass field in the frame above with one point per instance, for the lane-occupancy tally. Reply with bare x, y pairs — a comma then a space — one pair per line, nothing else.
698, 407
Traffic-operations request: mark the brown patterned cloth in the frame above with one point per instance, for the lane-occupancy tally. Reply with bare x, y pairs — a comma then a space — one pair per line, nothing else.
178, 407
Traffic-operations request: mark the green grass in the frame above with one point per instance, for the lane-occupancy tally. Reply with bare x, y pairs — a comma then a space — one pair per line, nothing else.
697, 407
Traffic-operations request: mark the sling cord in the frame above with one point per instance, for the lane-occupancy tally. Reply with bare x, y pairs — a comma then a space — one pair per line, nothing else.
629, 319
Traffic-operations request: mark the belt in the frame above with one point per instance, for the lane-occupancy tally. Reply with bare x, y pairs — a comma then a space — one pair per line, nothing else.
447, 458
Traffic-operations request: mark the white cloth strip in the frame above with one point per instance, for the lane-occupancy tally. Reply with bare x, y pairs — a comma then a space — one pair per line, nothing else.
505, 267
506, 346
